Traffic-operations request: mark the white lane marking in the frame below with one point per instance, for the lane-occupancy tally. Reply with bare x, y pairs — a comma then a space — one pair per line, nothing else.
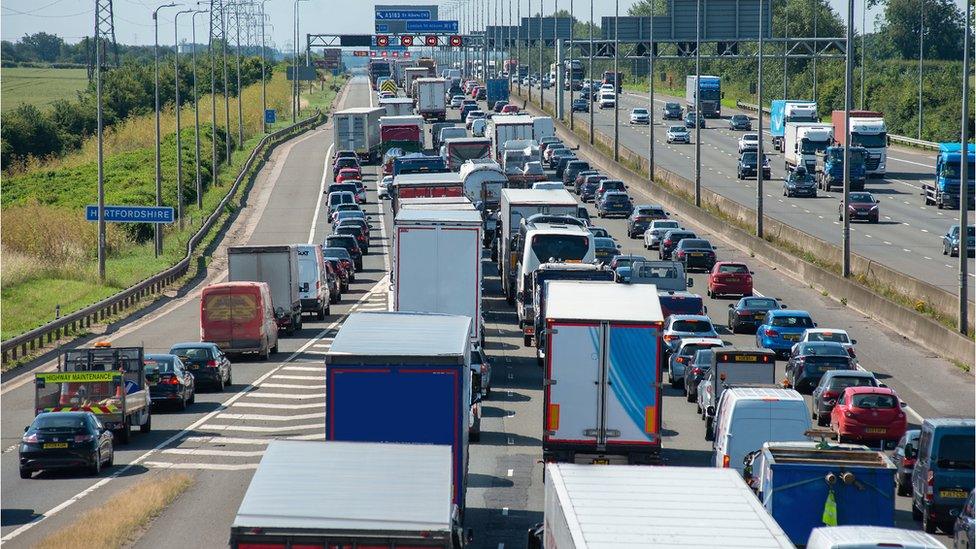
911, 162
202, 466
273, 406
510, 472
291, 386
313, 436
504, 511
218, 440
261, 429
303, 369
322, 345
318, 202
265, 417
289, 396
215, 453
300, 378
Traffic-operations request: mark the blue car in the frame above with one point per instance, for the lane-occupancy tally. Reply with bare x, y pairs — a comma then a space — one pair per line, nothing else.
614, 203
781, 329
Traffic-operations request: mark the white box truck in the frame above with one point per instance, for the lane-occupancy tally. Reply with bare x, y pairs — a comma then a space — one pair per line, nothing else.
431, 103
397, 106
358, 129
542, 126
278, 266
602, 379
622, 506
501, 129
516, 205
437, 263
409, 75
802, 141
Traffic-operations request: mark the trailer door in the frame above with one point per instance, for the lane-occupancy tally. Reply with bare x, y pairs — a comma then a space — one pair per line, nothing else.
416, 253
632, 409
458, 277
572, 412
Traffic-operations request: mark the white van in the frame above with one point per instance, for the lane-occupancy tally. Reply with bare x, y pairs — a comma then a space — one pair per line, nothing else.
748, 417
313, 281
608, 99
869, 537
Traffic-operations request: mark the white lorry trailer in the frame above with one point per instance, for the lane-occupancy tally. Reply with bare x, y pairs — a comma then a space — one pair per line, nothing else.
358, 129
278, 266
802, 141
501, 129
431, 103
397, 106
437, 263
590, 507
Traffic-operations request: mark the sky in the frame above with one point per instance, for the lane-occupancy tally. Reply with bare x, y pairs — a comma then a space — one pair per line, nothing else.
73, 19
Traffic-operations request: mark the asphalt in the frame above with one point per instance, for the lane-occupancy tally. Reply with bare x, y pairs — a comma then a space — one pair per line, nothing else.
908, 237
220, 439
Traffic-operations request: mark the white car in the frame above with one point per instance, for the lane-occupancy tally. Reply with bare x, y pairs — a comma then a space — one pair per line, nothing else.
608, 99
640, 116
383, 187
655, 232
829, 334
548, 185
456, 101
478, 127
749, 142
678, 134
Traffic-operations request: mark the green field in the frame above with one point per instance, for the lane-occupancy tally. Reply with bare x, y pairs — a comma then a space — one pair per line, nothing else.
40, 87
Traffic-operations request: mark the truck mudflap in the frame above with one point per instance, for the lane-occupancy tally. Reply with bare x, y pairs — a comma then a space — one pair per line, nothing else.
586, 454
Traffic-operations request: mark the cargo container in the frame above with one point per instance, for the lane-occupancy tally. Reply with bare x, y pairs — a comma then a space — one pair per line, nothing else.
458, 150
620, 506
397, 106
405, 132
803, 141
868, 130
400, 493
538, 292
795, 482
402, 377
358, 129
784, 111
409, 75
276, 265
497, 90
437, 263
501, 129
709, 91
602, 380
420, 185
483, 182
429, 94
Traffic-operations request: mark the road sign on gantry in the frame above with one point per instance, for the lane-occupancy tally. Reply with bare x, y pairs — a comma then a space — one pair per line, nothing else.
382, 40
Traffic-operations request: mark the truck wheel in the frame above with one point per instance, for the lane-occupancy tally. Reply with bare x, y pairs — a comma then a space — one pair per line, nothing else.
320, 315
124, 433
147, 426
527, 340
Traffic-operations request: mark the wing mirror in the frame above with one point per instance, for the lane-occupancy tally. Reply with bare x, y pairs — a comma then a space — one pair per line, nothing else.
691, 282
731, 306
853, 342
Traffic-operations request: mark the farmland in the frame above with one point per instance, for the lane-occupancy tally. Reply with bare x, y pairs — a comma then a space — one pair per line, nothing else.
38, 86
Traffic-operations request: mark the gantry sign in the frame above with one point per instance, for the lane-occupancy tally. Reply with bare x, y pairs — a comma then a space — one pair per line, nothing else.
384, 40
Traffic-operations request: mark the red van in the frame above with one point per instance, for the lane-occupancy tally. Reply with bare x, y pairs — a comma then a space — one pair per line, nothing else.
239, 318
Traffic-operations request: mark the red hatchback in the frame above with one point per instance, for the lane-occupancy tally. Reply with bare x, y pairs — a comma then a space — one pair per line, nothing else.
510, 109
729, 278
869, 413
348, 174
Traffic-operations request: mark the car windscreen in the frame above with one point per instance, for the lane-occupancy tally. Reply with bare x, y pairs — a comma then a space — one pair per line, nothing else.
760, 303
613, 185
956, 451
870, 141
874, 401
692, 348
792, 321
559, 246
674, 305
193, 353
59, 422
733, 269
696, 243
703, 358
617, 198
843, 382
159, 365
350, 230
692, 326
862, 197
839, 337
667, 225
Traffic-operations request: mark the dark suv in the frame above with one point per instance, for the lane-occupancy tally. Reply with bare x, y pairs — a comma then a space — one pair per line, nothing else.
747, 165
695, 253
349, 243
671, 111
943, 475
671, 240
573, 168
591, 183
740, 122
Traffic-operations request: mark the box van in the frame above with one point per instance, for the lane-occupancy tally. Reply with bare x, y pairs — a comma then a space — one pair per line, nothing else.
313, 280
608, 99
869, 537
749, 417
943, 474
239, 318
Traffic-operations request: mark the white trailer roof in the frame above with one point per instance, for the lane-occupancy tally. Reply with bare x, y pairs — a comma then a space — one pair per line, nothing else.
402, 120
400, 334
350, 486
597, 300
426, 179
512, 120
451, 216
361, 110
442, 202
538, 196
396, 100
612, 506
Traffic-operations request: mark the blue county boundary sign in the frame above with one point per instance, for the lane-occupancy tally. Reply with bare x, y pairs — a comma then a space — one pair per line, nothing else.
132, 214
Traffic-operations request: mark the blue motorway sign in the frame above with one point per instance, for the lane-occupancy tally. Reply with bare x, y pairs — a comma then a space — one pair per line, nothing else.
382, 27
432, 26
403, 15
270, 116
132, 214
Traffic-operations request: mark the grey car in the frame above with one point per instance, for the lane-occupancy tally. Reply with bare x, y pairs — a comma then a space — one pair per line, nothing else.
964, 531
906, 452
680, 361
740, 122
831, 387
700, 364
950, 241
678, 327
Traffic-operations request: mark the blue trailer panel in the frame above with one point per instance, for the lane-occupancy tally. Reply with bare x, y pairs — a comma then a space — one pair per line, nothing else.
497, 90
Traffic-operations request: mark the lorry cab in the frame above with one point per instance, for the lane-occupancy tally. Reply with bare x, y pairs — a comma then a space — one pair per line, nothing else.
803, 141
239, 317
313, 280
943, 474
948, 174
749, 417
550, 242
872, 134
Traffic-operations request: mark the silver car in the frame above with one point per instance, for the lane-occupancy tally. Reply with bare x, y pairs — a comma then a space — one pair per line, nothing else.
684, 354
678, 134
678, 327
656, 231
640, 115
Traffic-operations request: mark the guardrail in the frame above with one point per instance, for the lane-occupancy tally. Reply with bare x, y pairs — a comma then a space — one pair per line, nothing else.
910, 141
27, 342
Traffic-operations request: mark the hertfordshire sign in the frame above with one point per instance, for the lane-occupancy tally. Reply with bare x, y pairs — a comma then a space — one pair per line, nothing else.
132, 214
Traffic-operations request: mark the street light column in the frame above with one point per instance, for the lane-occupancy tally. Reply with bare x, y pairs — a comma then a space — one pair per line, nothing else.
179, 143
196, 109
158, 231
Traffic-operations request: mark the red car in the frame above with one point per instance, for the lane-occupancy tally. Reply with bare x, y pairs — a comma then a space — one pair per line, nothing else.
348, 175
342, 268
474, 92
510, 109
869, 413
730, 278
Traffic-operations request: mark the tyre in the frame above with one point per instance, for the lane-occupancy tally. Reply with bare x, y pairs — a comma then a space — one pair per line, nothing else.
274, 349
709, 431
266, 353
147, 426
125, 432
111, 457
229, 374
182, 404
193, 396
474, 437
220, 379
527, 340
929, 525
916, 512
320, 315
96, 468
689, 396
902, 490
25, 473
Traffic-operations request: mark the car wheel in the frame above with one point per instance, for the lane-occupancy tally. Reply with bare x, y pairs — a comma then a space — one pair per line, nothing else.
916, 512
275, 348
266, 353
96, 468
527, 340
320, 315
689, 396
929, 525
901, 489
111, 457
709, 431
182, 404
193, 395
945, 249
229, 379
147, 426
25, 473
220, 380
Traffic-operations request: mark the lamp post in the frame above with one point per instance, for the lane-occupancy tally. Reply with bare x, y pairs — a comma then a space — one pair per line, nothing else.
616, 81
264, 81
179, 144
848, 100
698, 115
921, 42
590, 71
295, 97
964, 176
760, 156
158, 231
196, 108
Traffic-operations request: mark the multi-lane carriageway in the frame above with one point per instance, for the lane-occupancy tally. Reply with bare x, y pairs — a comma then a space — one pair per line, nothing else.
908, 237
221, 438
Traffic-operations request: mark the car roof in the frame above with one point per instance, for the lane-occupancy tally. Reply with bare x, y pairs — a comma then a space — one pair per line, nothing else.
62, 414
823, 348
790, 312
604, 240
870, 390
701, 341
848, 373
160, 356
825, 330
193, 345
614, 193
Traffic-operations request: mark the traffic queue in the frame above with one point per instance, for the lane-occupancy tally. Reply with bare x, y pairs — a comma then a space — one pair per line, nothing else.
405, 387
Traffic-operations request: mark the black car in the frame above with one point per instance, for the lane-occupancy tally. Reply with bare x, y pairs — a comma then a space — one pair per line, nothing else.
587, 190
809, 361
356, 232
206, 363
740, 122
640, 219
348, 242
614, 203
831, 387
581, 177
466, 108
690, 120
696, 254
748, 313
581, 104
65, 440
799, 182
169, 381
671, 240
700, 364
671, 111
573, 168
562, 160
747, 165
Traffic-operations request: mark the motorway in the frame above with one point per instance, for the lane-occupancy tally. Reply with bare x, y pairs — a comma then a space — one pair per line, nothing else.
221, 438
907, 239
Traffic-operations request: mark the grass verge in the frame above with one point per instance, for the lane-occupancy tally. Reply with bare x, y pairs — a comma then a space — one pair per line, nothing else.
39, 86
121, 520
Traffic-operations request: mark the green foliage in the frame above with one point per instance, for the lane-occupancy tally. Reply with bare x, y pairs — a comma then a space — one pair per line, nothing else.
40, 86
943, 28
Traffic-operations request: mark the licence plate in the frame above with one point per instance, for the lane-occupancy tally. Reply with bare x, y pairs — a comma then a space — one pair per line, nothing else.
955, 494
48, 445
791, 337
600, 461
697, 255
876, 430
759, 316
